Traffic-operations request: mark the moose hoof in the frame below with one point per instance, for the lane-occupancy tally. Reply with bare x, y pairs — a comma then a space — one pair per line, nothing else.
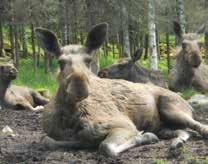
48, 143
108, 149
148, 138
38, 108
204, 131
176, 143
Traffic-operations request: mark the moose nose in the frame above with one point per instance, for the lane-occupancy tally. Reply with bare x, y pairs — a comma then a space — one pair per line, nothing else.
102, 74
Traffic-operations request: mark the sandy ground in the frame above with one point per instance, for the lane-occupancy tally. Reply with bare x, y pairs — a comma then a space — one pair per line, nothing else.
25, 147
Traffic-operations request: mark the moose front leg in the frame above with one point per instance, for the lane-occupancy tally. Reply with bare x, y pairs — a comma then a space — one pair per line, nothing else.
38, 98
27, 106
179, 137
51, 144
119, 140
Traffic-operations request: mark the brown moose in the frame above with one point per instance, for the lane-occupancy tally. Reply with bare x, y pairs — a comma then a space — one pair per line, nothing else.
88, 111
17, 97
128, 69
188, 71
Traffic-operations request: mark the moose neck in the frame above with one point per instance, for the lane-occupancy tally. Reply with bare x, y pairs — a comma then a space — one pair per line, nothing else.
4, 85
184, 69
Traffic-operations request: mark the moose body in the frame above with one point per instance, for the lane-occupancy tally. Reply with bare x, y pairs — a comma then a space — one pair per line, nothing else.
17, 97
128, 69
88, 111
188, 72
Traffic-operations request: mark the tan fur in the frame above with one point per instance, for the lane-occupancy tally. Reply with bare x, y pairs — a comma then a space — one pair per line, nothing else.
17, 97
88, 111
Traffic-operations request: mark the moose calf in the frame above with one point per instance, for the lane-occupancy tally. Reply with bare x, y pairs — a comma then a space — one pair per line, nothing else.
88, 111
128, 69
17, 97
188, 71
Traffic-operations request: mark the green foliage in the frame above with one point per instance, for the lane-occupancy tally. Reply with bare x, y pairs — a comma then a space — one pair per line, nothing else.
159, 161
107, 60
188, 93
37, 80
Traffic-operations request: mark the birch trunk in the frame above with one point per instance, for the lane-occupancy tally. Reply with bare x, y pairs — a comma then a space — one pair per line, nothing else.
206, 36
152, 35
125, 30
1, 37
181, 17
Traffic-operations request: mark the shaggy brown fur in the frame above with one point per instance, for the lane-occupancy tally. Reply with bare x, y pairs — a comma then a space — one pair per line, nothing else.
188, 71
88, 111
128, 69
17, 97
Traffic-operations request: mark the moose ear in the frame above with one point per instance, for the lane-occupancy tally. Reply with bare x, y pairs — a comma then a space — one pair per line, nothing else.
177, 29
137, 55
48, 41
97, 36
201, 29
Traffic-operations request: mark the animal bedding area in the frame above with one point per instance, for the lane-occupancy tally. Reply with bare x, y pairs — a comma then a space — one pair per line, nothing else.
25, 146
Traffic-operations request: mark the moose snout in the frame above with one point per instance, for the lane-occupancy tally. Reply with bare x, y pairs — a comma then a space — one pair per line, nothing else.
77, 87
103, 74
196, 60
13, 73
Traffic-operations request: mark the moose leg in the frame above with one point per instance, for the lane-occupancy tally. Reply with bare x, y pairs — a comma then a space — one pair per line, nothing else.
52, 144
38, 98
119, 140
28, 106
173, 113
179, 137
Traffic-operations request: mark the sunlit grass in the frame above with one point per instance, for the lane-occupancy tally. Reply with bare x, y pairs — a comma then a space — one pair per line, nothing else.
38, 79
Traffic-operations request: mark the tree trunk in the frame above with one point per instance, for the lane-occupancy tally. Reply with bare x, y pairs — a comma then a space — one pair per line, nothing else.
11, 36
24, 43
16, 46
125, 30
168, 51
75, 41
33, 46
46, 62
146, 45
206, 36
62, 23
66, 35
1, 37
181, 18
91, 8
152, 35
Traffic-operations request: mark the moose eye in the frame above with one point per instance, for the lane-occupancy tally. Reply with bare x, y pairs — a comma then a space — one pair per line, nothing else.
88, 61
62, 64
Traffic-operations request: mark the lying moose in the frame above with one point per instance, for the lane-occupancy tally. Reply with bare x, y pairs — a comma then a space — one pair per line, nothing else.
17, 97
188, 71
88, 111
128, 69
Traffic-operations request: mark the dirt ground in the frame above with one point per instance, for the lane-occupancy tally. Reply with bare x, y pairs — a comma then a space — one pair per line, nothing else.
25, 147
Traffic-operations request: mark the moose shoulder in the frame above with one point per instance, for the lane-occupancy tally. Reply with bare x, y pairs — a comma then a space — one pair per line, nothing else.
128, 69
88, 111
188, 71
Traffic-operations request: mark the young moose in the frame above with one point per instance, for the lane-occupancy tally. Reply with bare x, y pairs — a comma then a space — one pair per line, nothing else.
16, 97
89, 111
128, 69
188, 72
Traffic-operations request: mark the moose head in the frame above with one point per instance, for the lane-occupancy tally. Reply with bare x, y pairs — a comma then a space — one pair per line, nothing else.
75, 61
190, 45
123, 69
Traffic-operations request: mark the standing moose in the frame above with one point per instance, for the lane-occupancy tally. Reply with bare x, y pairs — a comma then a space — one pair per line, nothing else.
188, 71
128, 69
88, 111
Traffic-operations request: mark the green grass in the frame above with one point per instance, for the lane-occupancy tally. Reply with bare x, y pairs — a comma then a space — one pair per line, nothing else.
188, 93
37, 80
